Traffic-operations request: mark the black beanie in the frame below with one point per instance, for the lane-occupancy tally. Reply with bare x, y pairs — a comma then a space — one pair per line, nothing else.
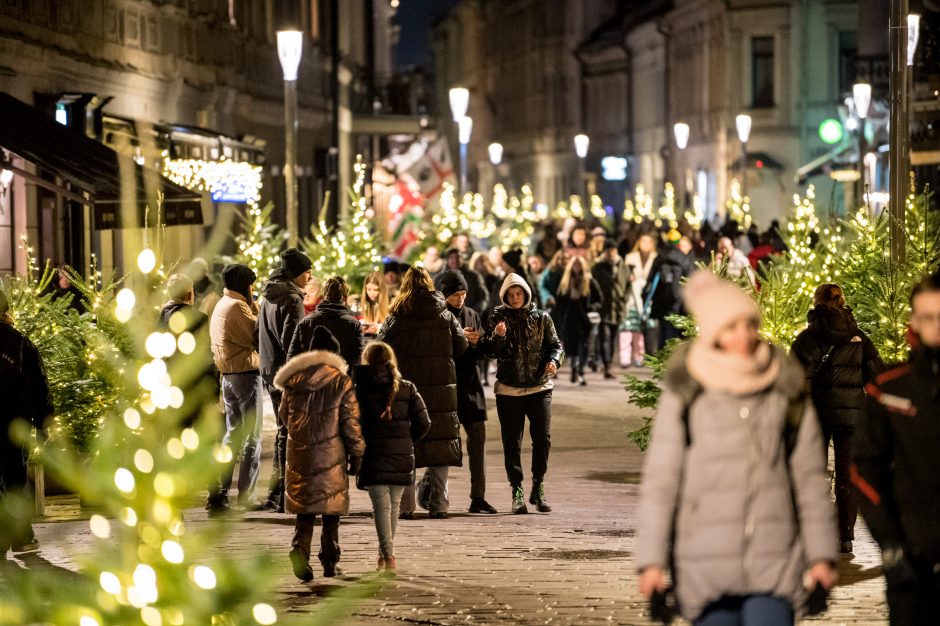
452, 282
610, 244
323, 339
295, 262
238, 278
513, 258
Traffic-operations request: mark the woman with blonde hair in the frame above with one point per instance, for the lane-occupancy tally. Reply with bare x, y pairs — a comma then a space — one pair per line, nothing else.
393, 418
637, 324
426, 337
578, 297
374, 303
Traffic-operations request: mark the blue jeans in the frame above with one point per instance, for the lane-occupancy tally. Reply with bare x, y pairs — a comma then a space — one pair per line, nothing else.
385, 502
755, 610
241, 394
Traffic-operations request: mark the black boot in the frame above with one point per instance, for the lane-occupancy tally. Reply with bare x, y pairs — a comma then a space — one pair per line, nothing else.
518, 500
537, 497
300, 563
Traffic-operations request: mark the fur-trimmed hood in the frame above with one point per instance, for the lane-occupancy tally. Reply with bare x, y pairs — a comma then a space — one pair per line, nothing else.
791, 381
308, 360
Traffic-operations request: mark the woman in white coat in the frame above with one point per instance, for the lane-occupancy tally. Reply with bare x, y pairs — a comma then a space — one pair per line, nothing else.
640, 264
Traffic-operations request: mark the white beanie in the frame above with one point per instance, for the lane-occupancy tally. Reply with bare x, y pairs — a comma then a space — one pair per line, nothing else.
514, 280
715, 304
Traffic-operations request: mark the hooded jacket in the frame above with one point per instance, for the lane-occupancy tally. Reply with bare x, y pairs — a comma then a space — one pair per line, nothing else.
471, 400
280, 312
323, 434
530, 341
838, 381
233, 331
613, 278
390, 457
742, 514
426, 342
339, 321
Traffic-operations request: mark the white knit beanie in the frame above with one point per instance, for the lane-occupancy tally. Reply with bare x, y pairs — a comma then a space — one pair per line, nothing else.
716, 303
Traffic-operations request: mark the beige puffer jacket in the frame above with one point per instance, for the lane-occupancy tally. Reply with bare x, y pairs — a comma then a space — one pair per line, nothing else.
321, 412
233, 329
729, 495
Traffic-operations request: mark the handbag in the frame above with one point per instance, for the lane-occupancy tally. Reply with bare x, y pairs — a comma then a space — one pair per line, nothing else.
594, 317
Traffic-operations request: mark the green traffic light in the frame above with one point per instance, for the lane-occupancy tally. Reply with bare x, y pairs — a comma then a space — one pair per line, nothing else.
831, 131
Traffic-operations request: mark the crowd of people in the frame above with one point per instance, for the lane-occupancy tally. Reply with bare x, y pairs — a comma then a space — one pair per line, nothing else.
376, 382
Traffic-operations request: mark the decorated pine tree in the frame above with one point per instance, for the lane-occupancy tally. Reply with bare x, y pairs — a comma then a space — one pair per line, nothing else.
738, 206
259, 240
351, 249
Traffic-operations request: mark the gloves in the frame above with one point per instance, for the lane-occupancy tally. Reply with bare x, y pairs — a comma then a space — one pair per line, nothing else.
355, 464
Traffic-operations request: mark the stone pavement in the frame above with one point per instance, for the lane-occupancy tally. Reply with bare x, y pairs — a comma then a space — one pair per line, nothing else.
572, 566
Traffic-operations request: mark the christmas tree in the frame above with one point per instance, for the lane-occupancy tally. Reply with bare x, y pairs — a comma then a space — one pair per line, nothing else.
349, 250
259, 241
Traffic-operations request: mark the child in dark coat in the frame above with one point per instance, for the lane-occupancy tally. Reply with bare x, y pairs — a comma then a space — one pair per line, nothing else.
393, 418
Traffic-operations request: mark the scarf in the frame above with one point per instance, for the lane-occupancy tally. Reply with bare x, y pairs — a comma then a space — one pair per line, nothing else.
738, 375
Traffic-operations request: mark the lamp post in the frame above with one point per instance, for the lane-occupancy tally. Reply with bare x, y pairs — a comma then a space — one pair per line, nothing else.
581, 144
681, 132
465, 128
459, 98
743, 124
290, 46
861, 97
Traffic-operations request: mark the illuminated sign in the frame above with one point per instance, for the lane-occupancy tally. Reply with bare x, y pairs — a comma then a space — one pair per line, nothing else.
614, 168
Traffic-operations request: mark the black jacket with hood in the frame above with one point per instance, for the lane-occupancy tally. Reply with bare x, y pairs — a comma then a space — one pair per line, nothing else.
530, 341
839, 360
471, 400
390, 457
338, 320
280, 312
425, 342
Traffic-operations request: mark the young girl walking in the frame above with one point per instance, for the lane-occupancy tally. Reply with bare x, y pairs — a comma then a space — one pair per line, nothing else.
393, 417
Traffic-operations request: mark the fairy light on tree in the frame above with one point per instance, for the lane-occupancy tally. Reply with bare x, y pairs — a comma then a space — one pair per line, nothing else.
739, 206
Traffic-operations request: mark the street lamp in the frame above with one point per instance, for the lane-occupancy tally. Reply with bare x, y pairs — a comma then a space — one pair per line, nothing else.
743, 124
861, 97
465, 128
681, 132
459, 103
581, 143
290, 47
496, 153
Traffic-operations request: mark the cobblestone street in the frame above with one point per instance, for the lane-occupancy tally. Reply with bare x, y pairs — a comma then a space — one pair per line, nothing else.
572, 566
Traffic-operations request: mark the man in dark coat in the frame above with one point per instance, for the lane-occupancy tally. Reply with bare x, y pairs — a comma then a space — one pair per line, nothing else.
426, 338
477, 297
897, 468
613, 278
281, 310
333, 313
471, 401
680, 262
26, 396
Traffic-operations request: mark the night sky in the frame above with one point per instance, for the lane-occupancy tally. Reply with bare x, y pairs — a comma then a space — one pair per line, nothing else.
415, 18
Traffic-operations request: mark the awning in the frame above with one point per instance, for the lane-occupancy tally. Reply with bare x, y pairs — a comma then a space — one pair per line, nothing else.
95, 171
757, 160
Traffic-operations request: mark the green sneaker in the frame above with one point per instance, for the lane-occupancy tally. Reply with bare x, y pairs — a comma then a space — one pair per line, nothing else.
537, 497
518, 500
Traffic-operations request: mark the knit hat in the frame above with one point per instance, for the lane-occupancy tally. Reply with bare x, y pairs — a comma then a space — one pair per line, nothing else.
598, 231
513, 258
295, 262
178, 286
514, 280
715, 304
238, 278
452, 282
673, 236
390, 266
610, 244
323, 339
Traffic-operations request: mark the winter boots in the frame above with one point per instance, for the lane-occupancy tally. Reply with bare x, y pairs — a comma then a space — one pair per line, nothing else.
518, 500
537, 497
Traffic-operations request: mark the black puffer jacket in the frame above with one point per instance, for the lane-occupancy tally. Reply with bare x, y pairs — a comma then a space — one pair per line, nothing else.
530, 342
571, 314
337, 318
280, 312
390, 457
425, 343
837, 381
471, 400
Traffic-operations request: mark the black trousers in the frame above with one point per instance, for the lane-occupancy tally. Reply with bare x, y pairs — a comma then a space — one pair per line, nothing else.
607, 342
846, 505
917, 604
329, 537
512, 411
476, 450
16, 506
276, 484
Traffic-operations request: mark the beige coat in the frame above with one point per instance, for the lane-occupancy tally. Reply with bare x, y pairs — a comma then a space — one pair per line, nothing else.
746, 519
323, 434
233, 330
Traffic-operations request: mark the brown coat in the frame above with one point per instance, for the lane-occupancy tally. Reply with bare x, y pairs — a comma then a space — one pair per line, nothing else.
233, 329
323, 433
